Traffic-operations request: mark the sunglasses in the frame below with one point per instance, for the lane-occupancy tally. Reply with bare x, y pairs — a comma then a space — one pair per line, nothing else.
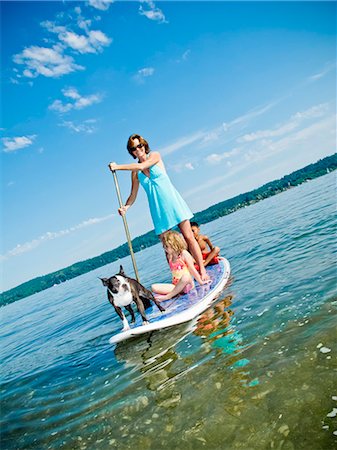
137, 147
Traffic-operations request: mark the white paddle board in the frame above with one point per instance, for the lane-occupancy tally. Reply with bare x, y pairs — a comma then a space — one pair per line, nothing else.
182, 308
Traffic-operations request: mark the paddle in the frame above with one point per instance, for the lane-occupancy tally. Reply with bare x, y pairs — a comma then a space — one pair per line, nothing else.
128, 237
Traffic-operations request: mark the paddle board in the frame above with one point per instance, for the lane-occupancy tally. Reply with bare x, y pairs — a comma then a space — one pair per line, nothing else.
182, 308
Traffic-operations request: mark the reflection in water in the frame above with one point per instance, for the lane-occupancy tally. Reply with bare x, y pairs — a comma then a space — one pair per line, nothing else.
164, 357
214, 324
215, 318
153, 355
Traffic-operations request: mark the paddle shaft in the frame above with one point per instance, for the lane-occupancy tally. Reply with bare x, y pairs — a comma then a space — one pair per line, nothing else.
128, 237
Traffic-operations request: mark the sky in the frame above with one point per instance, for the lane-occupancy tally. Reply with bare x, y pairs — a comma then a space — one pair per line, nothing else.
233, 95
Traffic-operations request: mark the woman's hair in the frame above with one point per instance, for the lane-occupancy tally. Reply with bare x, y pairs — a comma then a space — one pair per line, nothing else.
130, 144
174, 240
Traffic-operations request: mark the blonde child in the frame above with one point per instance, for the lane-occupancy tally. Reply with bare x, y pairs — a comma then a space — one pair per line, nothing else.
182, 267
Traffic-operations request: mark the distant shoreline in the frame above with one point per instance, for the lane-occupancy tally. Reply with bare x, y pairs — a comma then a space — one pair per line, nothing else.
310, 172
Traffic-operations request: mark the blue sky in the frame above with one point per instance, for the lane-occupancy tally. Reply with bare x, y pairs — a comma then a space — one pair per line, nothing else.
233, 95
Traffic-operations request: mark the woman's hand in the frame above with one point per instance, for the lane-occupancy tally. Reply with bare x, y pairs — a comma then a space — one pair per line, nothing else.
113, 166
122, 210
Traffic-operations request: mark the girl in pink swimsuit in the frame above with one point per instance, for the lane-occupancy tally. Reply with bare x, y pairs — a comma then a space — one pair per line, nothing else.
182, 267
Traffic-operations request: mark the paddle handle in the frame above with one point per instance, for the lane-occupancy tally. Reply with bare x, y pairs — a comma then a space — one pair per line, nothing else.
128, 237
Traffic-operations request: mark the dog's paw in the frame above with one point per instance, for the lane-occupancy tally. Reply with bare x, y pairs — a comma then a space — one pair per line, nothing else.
146, 322
126, 328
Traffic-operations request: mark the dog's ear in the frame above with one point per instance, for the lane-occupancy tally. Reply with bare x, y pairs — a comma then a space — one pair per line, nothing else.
105, 281
121, 270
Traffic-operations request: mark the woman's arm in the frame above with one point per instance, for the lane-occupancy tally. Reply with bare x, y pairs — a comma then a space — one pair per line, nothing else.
153, 158
133, 195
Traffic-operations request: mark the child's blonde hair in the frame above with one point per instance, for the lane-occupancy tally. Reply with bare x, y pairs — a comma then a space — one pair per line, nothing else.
174, 240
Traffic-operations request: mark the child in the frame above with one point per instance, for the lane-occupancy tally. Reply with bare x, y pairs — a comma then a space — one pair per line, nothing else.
210, 257
182, 267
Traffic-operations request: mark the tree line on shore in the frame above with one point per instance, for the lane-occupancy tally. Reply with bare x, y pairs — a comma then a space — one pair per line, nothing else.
321, 167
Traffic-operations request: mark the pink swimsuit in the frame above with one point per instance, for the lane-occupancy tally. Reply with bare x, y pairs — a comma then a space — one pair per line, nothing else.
178, 269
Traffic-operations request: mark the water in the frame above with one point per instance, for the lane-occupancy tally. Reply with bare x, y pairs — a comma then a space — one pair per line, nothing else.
255, 372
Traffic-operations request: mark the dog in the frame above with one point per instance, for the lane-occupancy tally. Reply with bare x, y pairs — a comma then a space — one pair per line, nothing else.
122, 291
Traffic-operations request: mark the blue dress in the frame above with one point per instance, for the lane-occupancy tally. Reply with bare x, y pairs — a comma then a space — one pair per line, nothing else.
167, 207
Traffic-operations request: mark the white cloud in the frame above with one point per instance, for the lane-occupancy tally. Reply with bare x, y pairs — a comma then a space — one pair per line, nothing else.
60, 107
87, 127
92, 41
13, 80
312, 113
77, 42
203, 138
31, 245
78, 101
189, 166
52, 27
71, 93
307, 139
52, 61
235, 124
325, 127
212, 135
49, 62
293, 123
186, 55
152, 12
98, 39
263, 134
144, 73
182, 142
17, 143
252, 114
102, 5
215, 158
317, 76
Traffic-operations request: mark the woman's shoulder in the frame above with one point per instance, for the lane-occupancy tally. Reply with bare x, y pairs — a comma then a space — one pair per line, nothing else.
155, 155
157, 161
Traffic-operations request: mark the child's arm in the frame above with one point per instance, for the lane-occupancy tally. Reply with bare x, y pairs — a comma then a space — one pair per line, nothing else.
208, 242
190, 264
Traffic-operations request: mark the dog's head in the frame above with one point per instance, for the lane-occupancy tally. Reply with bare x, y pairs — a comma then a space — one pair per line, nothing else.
115, 282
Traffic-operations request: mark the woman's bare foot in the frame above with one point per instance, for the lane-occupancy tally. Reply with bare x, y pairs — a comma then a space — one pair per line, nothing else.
204, 275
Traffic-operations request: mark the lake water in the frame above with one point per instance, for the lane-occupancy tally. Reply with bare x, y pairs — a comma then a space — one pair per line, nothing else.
255, 372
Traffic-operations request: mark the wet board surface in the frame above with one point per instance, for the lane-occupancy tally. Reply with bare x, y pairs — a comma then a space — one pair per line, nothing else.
180, 309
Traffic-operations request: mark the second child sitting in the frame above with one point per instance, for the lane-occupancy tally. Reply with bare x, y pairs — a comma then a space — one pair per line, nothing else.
210, 255
182, 267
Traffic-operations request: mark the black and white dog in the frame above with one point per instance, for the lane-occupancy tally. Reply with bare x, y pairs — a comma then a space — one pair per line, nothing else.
122, 291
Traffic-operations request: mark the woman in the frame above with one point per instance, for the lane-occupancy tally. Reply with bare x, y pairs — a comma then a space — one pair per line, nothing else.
167, 207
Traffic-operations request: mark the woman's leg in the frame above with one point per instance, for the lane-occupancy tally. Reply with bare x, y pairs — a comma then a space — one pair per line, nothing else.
193, 247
